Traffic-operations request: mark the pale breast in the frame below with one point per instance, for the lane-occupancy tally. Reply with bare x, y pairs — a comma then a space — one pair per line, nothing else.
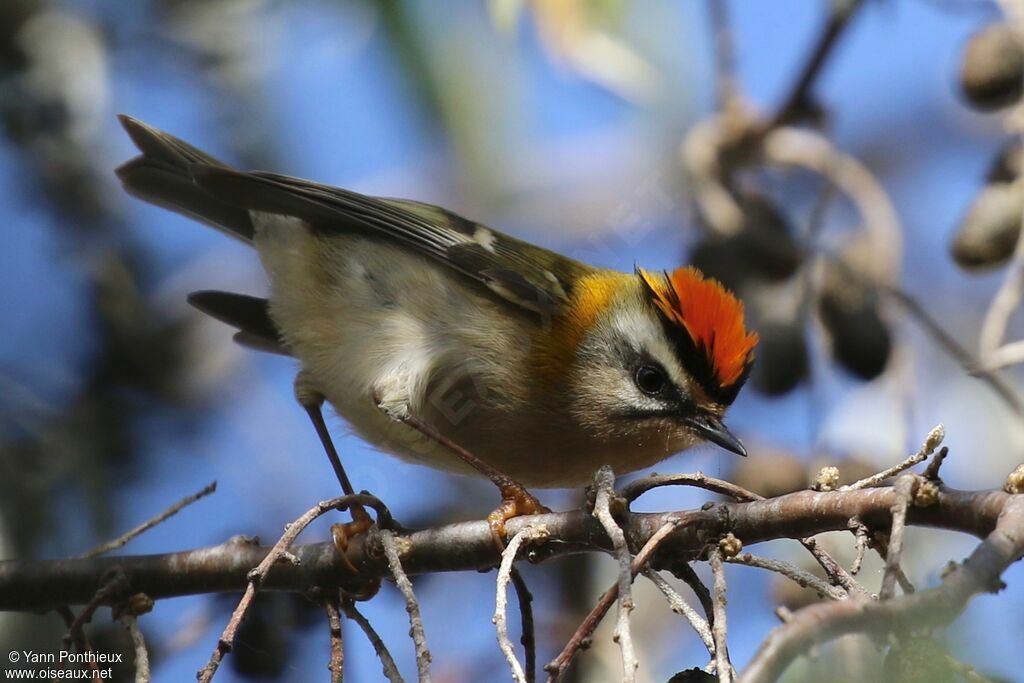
373, 321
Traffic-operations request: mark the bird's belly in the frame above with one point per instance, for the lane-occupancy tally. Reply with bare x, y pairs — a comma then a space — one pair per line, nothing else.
372, 323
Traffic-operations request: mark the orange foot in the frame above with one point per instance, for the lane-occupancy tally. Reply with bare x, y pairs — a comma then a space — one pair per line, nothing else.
345, 532
516, 501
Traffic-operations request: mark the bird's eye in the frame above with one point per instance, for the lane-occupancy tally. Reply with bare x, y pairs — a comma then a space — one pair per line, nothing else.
650, 379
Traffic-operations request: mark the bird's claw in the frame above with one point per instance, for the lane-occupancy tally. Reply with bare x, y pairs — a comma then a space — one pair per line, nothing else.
516, 501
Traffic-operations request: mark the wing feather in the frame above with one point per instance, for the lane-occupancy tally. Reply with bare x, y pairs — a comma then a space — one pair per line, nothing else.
526, 275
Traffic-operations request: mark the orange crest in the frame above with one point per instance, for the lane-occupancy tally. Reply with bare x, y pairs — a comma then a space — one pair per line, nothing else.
711, 317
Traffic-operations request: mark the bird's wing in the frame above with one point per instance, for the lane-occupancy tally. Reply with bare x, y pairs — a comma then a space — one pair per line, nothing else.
526, 275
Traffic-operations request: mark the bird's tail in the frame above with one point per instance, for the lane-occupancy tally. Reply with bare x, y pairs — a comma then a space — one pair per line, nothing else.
162, 175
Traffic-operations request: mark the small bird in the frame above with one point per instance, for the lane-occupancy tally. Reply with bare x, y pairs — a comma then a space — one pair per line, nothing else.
453, 345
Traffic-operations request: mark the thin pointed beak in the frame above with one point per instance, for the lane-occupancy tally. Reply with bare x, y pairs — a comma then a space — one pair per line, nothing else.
711, 428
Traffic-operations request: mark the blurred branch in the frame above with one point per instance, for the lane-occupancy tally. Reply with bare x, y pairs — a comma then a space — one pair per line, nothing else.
528, 638
77, 635
816, 153
387, 662
727, 92
946, 341
992, 349
336, 663
798, 103
801, 577
678, 605
150, 523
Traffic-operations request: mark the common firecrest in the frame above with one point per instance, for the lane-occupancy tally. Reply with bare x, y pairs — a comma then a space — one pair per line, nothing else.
542, 367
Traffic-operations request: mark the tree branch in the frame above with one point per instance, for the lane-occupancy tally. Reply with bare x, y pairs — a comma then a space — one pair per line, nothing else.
937, 606
34, 585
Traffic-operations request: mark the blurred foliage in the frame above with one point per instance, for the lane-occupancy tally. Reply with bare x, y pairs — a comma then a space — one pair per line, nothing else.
52, 107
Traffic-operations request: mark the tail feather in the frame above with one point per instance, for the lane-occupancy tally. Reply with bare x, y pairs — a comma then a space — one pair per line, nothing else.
162, 175
250, 315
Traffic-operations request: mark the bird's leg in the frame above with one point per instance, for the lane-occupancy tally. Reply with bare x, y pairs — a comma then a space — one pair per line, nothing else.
312, 401
515, 499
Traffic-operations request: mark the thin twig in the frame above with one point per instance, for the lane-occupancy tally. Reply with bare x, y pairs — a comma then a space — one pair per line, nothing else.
604, 483
528, 638
638, 487
726, 87
583, 632
131, 622
931, 442
124, 538
680, 606
1004, 303
1006, 355
807, 149
954, 348
115, 584
880, 543
860, 530
794, 105
387, 662
931, 473
412, 605
500, 619
336, 665
836, 572
904, 487
685, 572
802, 577
277, 553
78, 637
720, 630
934, 607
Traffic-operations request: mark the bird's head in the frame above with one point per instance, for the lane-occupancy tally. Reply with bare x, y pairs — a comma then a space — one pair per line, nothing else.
656, 357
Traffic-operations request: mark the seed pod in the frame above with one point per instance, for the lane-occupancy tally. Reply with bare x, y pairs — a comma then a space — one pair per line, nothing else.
988, 233
763, 248
766, 241
1006, 167
849, 311
693, 675
782, 358
992, 73
718, 258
